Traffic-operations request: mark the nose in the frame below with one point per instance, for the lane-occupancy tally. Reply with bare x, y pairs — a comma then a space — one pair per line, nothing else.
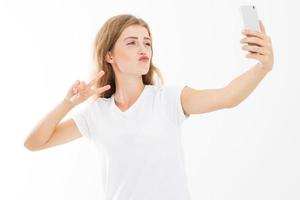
141, 53
142, 50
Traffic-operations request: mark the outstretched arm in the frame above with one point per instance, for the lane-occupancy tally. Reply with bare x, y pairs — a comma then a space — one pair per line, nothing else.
201, 101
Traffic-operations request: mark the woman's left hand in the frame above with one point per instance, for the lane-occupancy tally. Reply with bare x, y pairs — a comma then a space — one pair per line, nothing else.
260, 48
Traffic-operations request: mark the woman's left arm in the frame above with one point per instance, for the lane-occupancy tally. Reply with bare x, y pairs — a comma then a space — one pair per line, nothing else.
202, 101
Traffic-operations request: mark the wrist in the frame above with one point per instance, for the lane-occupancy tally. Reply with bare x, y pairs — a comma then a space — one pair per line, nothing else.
68, 103
263, 68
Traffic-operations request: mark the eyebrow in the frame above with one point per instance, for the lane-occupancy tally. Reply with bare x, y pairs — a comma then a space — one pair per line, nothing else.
147, 38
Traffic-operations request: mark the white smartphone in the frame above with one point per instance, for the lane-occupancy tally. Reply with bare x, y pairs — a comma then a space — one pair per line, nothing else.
250, 17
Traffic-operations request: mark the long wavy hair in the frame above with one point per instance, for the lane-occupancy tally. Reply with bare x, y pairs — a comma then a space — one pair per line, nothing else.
105, 41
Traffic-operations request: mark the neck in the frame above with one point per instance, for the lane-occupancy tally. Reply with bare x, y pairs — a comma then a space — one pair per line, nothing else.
128, 91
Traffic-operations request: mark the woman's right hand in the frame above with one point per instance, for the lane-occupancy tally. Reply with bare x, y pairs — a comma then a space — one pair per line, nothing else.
80, 91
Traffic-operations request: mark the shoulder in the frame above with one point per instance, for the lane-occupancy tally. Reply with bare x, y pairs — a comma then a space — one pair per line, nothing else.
170, 89
166, 88
168, 93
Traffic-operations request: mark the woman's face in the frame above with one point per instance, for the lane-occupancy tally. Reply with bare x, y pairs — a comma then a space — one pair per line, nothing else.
133, 43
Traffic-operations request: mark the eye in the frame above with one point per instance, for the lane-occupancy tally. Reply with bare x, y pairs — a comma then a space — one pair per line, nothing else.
130, 42
149, 44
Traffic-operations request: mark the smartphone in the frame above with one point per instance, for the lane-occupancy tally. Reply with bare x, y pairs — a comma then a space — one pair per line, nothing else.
250, 17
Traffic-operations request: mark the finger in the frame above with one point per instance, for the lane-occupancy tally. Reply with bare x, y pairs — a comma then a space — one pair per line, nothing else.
255, 49
102, 89
99, 75
81, 86
250, 33
262, 27
253, 40
76, 83
255, 56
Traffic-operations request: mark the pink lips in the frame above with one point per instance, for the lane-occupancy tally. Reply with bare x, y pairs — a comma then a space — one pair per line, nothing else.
144, 58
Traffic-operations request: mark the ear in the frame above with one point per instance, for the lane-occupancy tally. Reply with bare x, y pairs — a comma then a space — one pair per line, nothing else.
108, 57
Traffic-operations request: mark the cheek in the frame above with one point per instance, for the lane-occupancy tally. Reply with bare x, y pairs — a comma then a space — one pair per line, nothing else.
126, 60
127, 56
122, 52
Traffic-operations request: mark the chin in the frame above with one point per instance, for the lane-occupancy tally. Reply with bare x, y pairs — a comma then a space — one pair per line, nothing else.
143, 69
146, 70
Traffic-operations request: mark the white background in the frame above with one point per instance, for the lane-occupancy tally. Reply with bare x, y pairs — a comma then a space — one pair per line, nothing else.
248, 152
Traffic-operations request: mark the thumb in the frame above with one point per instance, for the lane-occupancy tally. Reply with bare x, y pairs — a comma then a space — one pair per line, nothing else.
76, 83
262, 27
73, 89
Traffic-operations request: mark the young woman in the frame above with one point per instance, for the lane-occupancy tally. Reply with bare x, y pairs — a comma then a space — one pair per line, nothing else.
133, 121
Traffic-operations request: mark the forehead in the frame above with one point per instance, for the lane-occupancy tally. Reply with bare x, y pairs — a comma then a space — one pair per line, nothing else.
135, 31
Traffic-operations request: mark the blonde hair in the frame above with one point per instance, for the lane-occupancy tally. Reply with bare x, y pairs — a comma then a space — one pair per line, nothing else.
104, 42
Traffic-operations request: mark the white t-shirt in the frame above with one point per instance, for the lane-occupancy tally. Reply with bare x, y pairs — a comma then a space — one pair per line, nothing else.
142, 149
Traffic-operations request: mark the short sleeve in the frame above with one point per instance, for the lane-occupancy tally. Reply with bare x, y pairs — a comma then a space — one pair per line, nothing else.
171, 100
82, 119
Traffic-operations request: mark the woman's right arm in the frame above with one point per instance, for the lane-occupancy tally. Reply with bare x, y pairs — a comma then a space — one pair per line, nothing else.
50, 131
46, 128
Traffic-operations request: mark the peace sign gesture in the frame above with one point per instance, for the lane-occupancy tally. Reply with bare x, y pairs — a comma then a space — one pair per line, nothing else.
80, 91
